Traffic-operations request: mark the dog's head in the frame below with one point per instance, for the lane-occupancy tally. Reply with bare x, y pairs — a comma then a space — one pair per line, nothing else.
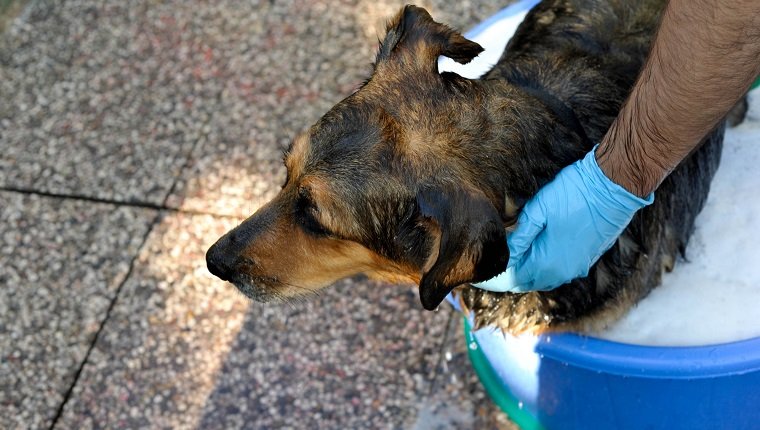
383, 184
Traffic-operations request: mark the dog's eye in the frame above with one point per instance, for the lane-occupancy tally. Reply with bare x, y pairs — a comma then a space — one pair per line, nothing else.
311, 224
306, 213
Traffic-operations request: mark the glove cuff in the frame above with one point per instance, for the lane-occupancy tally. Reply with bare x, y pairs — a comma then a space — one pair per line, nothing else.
614, 192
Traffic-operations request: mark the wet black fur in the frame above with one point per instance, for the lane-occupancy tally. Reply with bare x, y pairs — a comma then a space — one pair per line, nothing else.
588, 55
585, 55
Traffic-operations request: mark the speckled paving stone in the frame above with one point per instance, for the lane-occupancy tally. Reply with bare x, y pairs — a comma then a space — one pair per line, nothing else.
185, 350
157, 357
285, 64
61, 262
105, 99
458, 399
362, 356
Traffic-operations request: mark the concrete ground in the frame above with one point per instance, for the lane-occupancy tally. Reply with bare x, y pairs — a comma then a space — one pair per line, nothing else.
132, 135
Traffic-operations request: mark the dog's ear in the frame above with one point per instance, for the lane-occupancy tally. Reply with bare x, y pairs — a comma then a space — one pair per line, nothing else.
469, 241
416, 40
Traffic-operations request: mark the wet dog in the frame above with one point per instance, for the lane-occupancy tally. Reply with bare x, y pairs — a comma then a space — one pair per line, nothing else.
418, 176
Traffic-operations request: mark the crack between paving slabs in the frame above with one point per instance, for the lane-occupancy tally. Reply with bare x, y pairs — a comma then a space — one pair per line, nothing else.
133, 204
161, 210
111, 305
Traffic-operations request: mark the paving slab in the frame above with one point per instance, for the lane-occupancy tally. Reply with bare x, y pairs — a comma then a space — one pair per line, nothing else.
182, 349
105, 99
457, 398
363, 356
284, 65
61, 262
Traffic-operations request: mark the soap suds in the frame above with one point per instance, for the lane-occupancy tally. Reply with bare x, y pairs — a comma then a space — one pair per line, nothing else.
714, 296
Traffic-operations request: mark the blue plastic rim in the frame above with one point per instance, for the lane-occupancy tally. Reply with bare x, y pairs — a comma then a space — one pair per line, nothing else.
709, 361
513, 9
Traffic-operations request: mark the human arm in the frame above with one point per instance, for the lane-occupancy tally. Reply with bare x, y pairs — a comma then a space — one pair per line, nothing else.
704, 58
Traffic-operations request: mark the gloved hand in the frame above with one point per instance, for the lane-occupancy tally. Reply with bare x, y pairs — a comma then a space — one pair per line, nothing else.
565, 228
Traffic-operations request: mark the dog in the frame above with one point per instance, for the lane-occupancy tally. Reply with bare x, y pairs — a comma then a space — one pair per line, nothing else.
418, 176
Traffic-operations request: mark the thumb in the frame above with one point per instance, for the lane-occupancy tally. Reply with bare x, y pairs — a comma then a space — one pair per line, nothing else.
524, 270
530, 224
516, 278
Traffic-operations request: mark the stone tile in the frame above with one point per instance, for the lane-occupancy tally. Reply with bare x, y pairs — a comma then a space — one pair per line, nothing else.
105, 99
185, 350
360, 356
457, 398
9, 10
61, 262
157, 356
285, 65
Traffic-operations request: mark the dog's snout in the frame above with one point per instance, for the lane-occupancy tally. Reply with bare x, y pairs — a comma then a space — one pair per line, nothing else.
224, 257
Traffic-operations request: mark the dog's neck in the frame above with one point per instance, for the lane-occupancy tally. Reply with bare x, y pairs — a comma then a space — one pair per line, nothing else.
531, 135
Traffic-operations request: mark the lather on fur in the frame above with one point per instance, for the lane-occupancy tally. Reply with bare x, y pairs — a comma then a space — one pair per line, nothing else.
417, 175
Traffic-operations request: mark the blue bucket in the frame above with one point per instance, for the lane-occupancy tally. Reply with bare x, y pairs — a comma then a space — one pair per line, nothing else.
568, 381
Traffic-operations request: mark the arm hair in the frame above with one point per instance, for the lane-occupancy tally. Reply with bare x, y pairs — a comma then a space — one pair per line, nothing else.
704, 57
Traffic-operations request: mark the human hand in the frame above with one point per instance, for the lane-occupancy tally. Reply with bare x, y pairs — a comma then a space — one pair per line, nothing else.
564, 229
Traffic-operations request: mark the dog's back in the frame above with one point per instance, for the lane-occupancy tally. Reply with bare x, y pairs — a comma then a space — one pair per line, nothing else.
589, 61
587, 53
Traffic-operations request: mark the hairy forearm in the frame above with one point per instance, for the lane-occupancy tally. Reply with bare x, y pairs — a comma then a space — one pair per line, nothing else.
704, 58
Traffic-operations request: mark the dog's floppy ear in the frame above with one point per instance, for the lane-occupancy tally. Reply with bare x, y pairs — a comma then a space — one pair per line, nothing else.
417, 40
469, 243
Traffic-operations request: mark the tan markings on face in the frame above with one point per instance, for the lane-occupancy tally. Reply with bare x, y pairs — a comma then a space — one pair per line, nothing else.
389, 271
296, 157
302, 263
333, 212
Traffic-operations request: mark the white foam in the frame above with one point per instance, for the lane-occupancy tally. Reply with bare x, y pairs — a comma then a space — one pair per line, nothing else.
712, 298
493, 39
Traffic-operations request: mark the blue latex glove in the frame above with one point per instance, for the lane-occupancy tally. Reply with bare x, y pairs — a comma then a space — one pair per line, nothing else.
565, 228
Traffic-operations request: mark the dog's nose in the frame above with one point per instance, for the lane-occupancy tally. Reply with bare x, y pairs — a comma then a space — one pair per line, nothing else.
224, 257
217, 264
